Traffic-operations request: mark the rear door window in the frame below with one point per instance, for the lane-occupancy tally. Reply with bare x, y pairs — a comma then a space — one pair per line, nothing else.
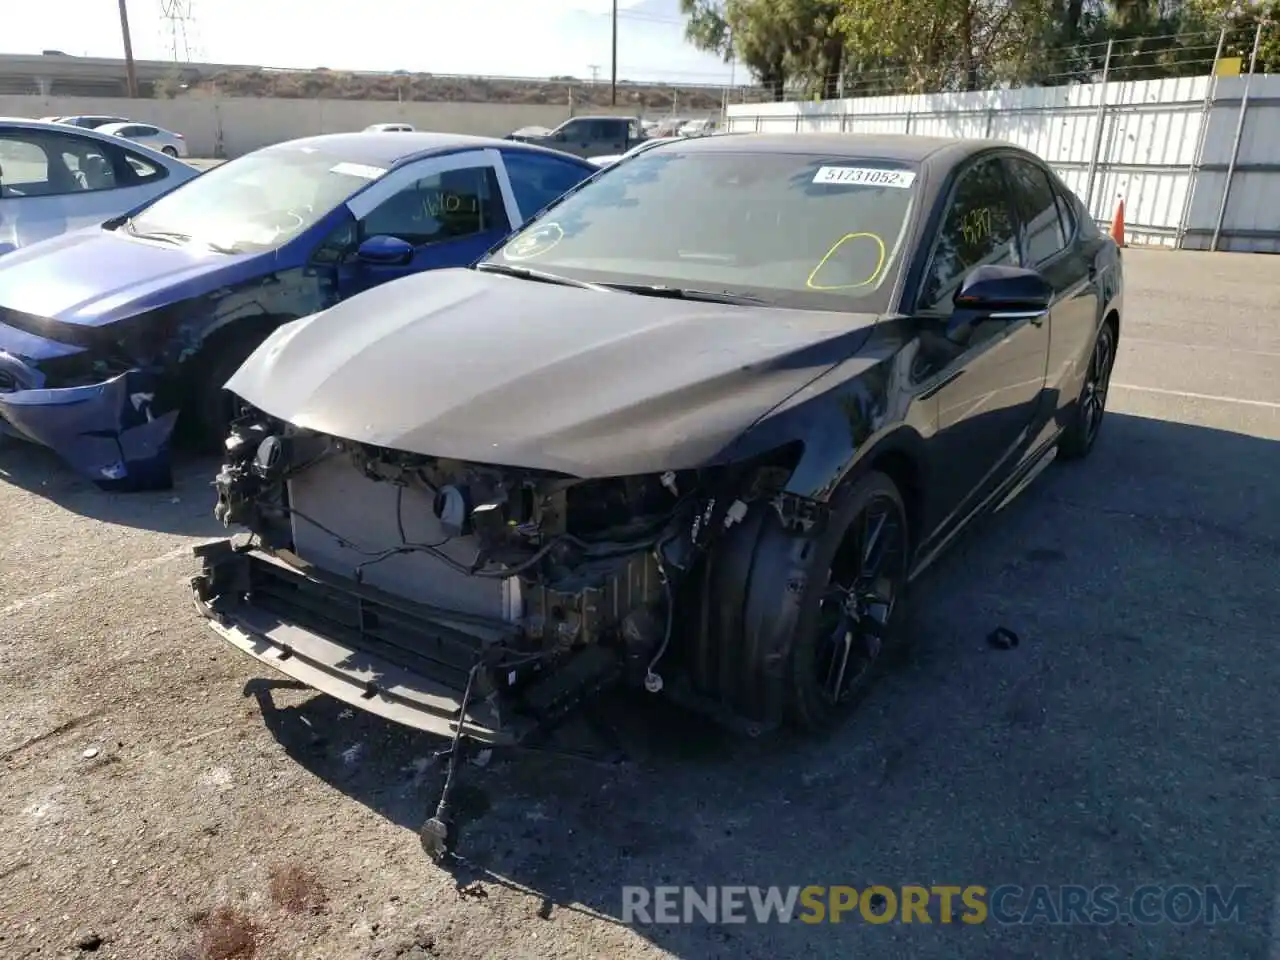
537, 179
1043, 234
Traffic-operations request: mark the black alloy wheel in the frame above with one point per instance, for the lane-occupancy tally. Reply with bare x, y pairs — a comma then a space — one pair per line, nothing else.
852, 621
1078, 438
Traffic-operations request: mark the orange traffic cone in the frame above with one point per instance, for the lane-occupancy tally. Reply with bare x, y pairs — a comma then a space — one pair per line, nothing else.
1117, 224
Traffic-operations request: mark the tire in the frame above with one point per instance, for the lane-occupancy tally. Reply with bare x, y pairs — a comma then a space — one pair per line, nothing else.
210, 409
170, 152
1091, 405
814, 704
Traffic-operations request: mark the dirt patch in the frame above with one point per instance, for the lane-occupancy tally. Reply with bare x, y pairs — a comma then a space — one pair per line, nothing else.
226, 934
295, 889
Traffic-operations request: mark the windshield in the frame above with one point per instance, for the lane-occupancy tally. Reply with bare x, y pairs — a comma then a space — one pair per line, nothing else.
256, 202
792, 230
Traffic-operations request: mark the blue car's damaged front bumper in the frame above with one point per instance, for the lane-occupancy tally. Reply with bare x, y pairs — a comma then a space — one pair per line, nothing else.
109, 432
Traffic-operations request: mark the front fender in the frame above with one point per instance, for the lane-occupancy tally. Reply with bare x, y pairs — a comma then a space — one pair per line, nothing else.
860, 408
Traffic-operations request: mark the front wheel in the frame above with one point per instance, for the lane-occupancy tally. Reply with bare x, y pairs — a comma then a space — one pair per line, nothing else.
210, 408
1086, 418
852, 618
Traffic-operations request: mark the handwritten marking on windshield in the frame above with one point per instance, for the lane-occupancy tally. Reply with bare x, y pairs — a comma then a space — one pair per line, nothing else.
866, 177
880, 258
534, 243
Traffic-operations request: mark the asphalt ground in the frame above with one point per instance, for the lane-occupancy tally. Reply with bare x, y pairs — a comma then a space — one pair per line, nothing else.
1130, 738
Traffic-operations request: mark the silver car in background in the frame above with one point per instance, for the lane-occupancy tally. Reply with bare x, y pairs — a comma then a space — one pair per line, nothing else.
56, 177
157, 138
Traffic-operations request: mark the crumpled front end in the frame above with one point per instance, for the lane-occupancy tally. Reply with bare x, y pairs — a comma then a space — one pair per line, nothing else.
102, 416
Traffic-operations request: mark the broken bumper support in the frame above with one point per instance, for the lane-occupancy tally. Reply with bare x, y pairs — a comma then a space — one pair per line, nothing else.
400, 660
426, 668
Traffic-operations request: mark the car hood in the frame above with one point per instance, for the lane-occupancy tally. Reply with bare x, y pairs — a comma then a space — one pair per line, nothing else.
492, 369
95, 276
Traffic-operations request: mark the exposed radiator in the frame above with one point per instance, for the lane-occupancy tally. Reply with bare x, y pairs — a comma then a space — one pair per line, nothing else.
363, 512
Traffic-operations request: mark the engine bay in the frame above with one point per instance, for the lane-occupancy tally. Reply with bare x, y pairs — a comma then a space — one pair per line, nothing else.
485, 600
566, 563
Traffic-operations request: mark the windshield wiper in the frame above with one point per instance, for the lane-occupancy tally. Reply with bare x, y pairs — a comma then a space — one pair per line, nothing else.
686, 293
164, 236
529, 273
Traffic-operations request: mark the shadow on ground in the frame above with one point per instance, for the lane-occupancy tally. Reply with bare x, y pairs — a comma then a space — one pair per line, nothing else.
187, 509
1128, 739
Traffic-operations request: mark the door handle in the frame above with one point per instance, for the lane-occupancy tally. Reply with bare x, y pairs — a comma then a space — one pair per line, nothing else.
1037, 320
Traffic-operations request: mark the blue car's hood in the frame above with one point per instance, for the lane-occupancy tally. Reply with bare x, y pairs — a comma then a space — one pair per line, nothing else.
94, 276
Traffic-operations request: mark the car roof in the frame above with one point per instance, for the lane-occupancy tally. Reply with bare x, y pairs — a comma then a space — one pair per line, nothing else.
388, 149
907, 148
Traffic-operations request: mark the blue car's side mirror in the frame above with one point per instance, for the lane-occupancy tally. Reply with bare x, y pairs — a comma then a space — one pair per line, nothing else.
385, 251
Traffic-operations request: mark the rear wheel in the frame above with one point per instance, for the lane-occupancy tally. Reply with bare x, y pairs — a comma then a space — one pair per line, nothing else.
852, 619
1086, 419
170, 151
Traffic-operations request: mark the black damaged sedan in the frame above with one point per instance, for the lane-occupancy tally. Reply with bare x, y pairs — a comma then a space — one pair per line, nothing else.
695, 428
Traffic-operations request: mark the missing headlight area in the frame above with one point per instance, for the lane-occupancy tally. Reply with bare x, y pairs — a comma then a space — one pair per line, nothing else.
468, 600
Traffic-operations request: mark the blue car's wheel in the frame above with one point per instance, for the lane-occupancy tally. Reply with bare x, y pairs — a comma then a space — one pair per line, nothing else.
210, 409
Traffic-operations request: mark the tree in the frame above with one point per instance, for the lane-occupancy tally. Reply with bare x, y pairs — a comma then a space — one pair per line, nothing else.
748, 30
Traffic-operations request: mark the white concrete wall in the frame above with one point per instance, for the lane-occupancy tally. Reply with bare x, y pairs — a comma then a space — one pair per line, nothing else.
1144, 150
230, 126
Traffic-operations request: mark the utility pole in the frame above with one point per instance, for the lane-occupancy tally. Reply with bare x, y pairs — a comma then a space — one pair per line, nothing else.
613, 84
130, 72
595, 72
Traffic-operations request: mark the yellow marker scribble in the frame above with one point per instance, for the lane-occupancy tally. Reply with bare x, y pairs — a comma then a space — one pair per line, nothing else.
975, 226
535, 243
830, 253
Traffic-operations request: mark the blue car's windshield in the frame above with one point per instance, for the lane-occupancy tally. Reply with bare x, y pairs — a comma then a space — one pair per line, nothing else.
256, 202
789, 229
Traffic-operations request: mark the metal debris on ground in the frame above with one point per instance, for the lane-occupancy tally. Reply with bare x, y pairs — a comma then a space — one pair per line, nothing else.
1002, 638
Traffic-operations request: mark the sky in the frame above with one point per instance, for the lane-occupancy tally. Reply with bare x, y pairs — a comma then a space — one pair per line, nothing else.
533, 38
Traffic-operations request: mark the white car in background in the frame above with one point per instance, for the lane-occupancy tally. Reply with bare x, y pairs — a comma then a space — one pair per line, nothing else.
157, 138
640, 147
90, 121
698, 128
390, 128
55, 178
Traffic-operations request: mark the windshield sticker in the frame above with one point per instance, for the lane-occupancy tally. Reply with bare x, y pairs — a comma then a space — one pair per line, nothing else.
534, 243
871, 252
866, 177
358, 170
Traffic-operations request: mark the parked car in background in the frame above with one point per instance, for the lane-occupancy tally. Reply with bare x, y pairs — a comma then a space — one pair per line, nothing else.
91, 122
694, 430
157, 138
389, 128
699, 128
588, 136
648, 145
641, 147
55, 178
108, 336
668, 127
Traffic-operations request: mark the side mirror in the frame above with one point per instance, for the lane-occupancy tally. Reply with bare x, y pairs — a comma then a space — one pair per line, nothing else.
384, 251
998, 293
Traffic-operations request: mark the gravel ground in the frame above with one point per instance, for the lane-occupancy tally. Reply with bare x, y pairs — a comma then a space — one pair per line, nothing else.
164, 797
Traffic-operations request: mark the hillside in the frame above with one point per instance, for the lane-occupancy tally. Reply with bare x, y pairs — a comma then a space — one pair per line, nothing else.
341, 85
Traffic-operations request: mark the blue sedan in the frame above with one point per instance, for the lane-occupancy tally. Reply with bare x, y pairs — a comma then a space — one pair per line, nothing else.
110, 334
